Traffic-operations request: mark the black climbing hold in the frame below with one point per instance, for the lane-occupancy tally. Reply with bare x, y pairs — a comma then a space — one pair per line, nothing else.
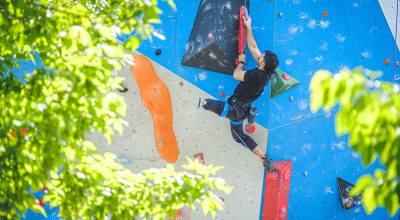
158, 52
218, 53
124, 89
348, 202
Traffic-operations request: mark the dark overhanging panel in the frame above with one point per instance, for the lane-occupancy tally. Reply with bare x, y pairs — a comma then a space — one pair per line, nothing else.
213, 41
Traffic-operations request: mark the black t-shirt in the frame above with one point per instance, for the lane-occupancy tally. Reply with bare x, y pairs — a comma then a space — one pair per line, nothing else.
253, 86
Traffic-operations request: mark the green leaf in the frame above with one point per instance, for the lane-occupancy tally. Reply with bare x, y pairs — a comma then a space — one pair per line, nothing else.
68, 96
132, 43
38, 208
205, 205
317, 92
369, 200
362, 183
394, 203
118, 127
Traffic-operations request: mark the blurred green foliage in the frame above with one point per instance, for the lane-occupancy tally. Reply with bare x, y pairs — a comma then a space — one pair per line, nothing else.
370, 114
44, 121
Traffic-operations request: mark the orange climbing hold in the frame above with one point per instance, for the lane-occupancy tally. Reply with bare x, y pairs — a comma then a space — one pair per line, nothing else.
387, 61
155, 96
324, 13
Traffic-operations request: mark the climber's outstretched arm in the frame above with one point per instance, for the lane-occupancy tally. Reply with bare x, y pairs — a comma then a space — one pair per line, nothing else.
251, 42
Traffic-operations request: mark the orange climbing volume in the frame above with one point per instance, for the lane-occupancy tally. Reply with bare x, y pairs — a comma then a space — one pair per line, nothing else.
155, 96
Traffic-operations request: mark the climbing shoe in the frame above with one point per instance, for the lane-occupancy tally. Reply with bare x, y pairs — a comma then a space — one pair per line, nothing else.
268, 164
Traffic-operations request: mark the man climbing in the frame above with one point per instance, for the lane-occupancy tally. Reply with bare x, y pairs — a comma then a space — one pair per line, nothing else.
252, 85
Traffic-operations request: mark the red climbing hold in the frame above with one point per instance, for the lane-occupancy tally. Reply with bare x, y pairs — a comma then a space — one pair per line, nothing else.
222, 94
24, 131
387, 61
286, 77
43, 189
324, 13
200, 157
40, 202
209, 36
241, 35
250, 128
282, 212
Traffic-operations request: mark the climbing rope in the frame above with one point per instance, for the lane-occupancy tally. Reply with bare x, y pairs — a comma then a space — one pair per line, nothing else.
395, 42
276, 170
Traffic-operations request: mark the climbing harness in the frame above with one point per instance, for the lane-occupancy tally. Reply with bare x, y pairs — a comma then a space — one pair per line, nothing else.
395, 42
276, 169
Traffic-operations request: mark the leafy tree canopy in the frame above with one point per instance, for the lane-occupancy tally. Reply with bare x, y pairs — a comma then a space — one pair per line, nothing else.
44, 121
370, 114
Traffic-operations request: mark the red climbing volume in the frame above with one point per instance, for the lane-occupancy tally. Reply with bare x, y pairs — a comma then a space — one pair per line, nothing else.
275, 204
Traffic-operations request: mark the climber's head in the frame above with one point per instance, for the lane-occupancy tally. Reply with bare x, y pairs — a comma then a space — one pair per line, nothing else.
268, 62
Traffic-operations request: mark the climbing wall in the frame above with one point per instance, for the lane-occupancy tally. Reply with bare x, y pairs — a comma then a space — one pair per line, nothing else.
307, 36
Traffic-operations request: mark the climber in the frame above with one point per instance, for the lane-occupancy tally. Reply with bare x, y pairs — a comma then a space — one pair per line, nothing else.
251, 86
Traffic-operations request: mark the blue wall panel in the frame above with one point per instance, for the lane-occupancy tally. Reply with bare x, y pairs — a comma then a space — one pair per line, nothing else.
337, 143
303, 141
306, 43
348, 167
262, 19
371, 36
186, 14
315, 196
167, 10
166, 43
306, 143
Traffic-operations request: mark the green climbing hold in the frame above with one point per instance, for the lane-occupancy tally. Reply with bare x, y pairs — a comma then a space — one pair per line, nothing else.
282, 82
